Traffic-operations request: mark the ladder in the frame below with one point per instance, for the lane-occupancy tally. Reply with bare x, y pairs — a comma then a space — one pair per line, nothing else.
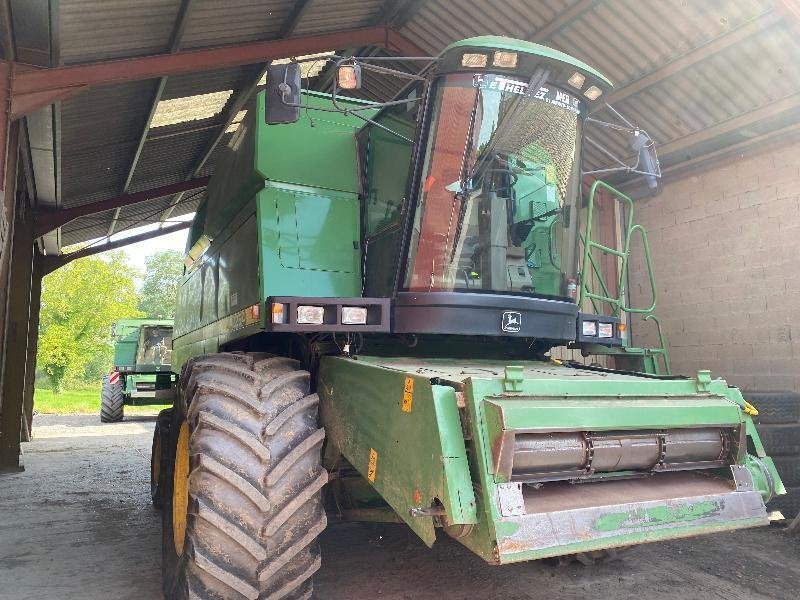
654, 360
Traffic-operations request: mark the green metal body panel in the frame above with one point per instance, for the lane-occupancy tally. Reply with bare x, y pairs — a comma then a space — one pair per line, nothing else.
309, 239
277, 226
403, 434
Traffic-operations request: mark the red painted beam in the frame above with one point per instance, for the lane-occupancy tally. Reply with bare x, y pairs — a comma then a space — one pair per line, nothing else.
46, 221
177, 63
51, 263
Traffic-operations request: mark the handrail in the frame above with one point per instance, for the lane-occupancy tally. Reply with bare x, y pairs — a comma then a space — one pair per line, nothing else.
618, 303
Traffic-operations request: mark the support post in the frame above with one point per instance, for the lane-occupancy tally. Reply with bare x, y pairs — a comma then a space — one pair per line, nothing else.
33, 343
17, 322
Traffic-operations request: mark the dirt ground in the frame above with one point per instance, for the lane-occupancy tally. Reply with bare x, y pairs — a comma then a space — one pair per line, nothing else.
77, 524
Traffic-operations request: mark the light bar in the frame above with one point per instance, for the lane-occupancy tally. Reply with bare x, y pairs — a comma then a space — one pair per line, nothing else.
470, 59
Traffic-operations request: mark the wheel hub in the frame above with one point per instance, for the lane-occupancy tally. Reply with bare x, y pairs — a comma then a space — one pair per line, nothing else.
180, 489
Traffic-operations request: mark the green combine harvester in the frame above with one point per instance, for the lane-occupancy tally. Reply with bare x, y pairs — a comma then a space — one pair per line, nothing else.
142, 371
365, 328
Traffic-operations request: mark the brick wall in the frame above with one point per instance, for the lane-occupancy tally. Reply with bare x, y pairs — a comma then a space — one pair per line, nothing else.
726, 252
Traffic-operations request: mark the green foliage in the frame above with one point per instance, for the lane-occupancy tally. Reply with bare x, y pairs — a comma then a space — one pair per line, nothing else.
85, 400
163, 270
79, 303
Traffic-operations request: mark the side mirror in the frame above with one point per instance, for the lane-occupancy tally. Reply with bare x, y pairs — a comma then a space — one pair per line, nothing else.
282, 94
648, 159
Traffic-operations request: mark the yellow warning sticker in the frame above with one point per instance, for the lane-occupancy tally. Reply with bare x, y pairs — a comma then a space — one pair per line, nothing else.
373, 464
408, 395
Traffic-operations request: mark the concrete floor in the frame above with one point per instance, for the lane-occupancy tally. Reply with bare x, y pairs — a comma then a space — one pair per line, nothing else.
78, 525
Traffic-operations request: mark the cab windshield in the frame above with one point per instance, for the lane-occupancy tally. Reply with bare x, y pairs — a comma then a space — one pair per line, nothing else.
498, 208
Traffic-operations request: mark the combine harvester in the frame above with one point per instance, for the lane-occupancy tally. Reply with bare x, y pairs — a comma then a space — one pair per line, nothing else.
372, 298
142, 371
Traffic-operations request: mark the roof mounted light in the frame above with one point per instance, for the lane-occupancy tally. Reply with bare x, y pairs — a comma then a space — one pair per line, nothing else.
593, 93
577, 80
474, 59
507, 60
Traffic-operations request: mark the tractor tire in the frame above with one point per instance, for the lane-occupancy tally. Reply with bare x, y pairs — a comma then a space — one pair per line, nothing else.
789, 505
780, 440
157, 456
244, 513
775, 407
112, 405
789, 469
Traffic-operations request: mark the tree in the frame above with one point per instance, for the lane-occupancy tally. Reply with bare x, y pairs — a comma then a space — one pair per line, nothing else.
79, 303
163, 270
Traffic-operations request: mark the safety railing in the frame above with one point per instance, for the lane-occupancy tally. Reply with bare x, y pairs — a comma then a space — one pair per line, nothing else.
617, 303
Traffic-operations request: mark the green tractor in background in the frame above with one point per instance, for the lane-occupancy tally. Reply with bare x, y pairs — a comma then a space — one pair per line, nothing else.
142, 371
366, 331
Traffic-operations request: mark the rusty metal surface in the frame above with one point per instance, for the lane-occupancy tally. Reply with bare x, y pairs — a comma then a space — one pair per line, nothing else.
585, 516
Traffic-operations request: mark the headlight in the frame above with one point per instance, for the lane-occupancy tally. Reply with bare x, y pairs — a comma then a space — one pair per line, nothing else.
606, 330
354, 315
310, 315
589, 328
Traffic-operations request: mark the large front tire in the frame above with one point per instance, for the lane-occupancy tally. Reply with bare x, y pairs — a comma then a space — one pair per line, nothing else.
245, 507
112, 402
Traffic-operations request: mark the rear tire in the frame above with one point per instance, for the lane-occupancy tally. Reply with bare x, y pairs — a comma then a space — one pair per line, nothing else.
112, 405
157, 456
789, 505
775, 407
781, 440
254, 482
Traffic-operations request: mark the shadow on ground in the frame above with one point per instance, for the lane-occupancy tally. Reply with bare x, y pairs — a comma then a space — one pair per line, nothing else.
78, 524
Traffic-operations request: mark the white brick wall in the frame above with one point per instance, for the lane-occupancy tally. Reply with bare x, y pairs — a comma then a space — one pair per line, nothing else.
726, 252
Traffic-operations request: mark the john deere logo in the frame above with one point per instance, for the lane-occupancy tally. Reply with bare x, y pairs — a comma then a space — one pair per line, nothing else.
512, 321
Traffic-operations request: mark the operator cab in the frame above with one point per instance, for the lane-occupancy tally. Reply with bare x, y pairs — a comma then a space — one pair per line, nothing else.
489, 243
470, 194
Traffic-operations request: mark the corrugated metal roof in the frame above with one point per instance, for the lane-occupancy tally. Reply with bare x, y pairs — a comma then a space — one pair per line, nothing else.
706, 92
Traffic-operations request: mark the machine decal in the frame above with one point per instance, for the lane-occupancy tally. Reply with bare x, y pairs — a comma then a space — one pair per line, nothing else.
373, 465
512, 321
114, 377
408, 395
548, 94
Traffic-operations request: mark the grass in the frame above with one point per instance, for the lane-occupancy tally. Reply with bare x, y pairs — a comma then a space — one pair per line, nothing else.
84, 401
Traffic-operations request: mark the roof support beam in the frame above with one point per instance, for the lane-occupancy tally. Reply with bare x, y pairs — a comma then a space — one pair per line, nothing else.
788, 104
46, 221
51, 263
293, 20
562, 20
25, 89
174, 43
63, 79
694, 56
397, 14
